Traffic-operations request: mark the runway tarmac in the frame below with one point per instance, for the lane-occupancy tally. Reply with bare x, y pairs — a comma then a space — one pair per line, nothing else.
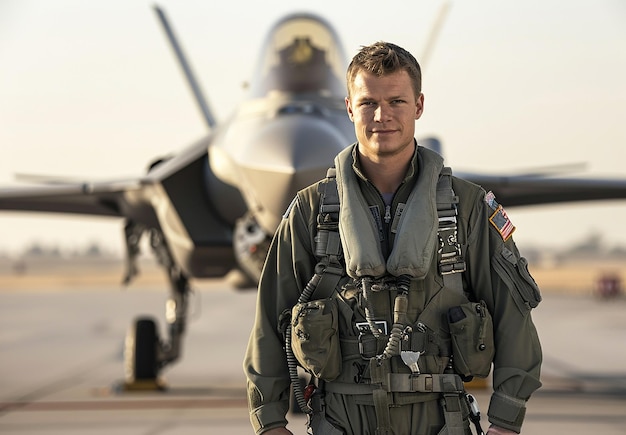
61, 362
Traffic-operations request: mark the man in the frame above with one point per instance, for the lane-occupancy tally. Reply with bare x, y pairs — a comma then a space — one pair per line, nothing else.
399, 311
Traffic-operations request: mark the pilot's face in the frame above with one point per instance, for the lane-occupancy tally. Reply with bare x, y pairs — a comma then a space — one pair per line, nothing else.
384, 110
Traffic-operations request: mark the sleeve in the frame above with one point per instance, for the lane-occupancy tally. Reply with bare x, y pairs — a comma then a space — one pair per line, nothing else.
289, 265
499, 275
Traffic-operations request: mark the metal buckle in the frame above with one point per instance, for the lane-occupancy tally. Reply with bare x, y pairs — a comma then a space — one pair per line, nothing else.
364, 329
451, 260
452, 265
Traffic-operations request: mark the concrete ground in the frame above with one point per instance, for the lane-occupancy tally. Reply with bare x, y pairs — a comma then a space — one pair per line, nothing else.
61, 364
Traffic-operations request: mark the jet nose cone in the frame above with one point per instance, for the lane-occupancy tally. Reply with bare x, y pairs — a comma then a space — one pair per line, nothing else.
287, 155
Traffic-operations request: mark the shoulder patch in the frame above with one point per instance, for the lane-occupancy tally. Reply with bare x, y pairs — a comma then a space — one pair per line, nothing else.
499, 219
490, 199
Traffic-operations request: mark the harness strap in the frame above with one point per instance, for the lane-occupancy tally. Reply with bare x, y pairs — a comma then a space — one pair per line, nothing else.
451, 266
368, 345
402, 383
327, 240
379, 371
453, 414
381, 406
451, 260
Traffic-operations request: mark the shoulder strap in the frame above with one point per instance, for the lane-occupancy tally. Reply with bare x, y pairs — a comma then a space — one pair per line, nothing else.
451, 262
327, 241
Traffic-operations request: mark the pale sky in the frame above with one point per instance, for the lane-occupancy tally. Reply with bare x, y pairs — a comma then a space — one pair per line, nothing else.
92, 90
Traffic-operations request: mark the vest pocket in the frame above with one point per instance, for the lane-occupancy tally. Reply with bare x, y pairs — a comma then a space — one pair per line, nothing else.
315, 337
471, 331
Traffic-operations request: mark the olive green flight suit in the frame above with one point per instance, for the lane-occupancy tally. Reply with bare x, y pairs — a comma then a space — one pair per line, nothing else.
496, 274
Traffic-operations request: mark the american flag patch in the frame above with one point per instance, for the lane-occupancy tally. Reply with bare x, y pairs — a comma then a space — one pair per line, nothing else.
490, 199
502, 223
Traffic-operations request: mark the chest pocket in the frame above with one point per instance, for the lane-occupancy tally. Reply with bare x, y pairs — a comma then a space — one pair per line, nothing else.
315, 340
471, 330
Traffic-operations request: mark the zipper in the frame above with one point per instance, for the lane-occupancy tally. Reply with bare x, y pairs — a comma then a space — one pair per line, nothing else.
480, 309
387, 214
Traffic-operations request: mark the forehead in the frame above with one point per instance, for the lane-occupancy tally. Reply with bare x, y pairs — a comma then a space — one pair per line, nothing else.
366, 84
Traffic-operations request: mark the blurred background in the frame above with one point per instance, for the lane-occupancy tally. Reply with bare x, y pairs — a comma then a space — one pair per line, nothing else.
92, 90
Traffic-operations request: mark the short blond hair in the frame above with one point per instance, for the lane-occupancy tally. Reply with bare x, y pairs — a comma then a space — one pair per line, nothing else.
382, 58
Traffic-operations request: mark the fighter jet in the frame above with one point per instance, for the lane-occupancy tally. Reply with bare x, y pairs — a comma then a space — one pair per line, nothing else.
213, 208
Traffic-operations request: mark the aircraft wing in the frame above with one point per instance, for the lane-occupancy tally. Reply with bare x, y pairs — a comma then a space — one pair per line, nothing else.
524, 190
115, 198
170, 199
88, 198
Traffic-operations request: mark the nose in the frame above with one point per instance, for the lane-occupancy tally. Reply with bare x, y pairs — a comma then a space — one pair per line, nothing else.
382, 113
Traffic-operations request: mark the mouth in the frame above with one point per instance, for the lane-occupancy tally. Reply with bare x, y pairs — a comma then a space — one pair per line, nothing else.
383, 132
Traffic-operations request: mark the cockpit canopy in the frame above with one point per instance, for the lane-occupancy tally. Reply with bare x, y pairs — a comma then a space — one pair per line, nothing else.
301, 55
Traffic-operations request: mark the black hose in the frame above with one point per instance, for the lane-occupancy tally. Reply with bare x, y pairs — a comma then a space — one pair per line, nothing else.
292, 362
366, 286
400, 308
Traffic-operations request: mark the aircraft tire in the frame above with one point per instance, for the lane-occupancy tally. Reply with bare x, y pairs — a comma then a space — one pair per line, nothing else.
140, 354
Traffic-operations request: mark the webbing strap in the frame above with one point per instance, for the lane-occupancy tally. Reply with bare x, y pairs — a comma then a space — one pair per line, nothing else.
327, 241
451, 261
451, 266
379, 371
402, 383
381, 406
453, 414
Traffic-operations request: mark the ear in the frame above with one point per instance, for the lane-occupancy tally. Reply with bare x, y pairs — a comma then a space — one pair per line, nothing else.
419, 106
349, 109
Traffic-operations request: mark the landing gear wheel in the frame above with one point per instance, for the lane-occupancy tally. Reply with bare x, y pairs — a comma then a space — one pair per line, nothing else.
140, 355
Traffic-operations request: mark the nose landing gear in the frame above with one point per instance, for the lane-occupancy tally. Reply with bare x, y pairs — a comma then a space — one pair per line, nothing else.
140, 356
145, 355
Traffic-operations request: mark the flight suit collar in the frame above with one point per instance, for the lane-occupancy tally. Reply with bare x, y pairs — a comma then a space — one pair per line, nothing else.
357, 167
413, 252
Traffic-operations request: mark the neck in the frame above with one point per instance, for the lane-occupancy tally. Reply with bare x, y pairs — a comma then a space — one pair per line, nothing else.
387, 172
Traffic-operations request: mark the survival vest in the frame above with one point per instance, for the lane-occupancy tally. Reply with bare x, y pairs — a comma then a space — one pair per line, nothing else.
329, 271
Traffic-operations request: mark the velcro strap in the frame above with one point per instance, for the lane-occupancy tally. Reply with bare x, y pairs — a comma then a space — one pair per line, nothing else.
269, 416
507, 411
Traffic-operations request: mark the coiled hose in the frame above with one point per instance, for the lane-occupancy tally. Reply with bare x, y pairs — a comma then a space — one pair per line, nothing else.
400, 307
292, 362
